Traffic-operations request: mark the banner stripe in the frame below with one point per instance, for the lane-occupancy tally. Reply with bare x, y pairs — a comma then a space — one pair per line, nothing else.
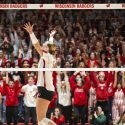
63, 6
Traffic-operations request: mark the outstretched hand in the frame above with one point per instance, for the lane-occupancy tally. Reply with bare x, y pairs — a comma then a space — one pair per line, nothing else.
28, 27
52, 33
83, 73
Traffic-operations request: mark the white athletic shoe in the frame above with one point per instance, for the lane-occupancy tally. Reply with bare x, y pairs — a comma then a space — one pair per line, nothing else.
46, 121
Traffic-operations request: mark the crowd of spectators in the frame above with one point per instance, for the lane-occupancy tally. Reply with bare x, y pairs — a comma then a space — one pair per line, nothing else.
82, 97
59, 1
84, 38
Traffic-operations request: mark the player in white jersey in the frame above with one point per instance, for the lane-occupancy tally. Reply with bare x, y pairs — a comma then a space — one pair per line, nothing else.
45, 79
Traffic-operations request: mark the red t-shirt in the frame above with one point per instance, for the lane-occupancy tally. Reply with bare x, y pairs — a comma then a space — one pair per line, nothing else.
80, 92
11, 94
59, 121
101, 87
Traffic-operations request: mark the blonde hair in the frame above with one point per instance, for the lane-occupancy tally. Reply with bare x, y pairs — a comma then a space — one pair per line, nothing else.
52, 48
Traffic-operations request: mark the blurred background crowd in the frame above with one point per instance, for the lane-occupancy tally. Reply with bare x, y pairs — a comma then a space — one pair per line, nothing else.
59, 1
97, 98
84, 38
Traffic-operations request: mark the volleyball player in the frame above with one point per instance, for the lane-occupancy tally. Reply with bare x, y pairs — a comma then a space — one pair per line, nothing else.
45, 79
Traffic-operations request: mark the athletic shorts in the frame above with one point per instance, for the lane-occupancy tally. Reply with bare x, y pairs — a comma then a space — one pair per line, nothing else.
45, 94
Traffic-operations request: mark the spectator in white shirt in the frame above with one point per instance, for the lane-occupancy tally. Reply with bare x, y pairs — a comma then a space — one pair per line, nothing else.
30, 91
64, 96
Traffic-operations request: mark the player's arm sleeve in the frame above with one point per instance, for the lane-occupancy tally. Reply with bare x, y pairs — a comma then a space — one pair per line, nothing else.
36, 43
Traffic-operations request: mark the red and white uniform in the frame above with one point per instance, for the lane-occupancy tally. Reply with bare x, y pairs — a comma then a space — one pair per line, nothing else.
45, 78
118, 103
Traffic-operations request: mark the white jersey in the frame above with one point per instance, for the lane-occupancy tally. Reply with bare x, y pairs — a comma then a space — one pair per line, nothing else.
45, 78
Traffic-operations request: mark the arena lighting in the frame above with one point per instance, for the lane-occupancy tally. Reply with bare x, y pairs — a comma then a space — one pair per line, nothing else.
62, 69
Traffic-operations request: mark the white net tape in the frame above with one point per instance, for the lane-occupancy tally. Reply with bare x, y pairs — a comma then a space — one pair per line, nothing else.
62, 69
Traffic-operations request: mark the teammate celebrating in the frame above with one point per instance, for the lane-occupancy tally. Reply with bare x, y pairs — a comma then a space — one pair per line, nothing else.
45, 79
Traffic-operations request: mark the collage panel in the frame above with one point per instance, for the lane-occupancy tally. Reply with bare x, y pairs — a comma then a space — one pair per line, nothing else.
70, 38
48, 38
78, 97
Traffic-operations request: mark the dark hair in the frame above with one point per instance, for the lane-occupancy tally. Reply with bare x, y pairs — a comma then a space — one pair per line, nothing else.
91, 53
60, 111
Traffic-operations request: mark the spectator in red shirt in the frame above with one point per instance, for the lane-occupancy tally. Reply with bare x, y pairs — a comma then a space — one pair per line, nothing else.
57, 117
11, 90
102, 84
80, 89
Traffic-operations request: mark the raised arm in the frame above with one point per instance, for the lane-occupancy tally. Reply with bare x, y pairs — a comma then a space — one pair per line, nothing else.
29, 28
16, 81
123, 79
5, 82
87, 83
67, 81
7, 78
93, 78
58, 78
115, 81
72, 81
108, 80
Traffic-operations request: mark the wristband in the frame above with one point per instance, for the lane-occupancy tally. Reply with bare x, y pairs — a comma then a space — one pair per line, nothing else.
33, 38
